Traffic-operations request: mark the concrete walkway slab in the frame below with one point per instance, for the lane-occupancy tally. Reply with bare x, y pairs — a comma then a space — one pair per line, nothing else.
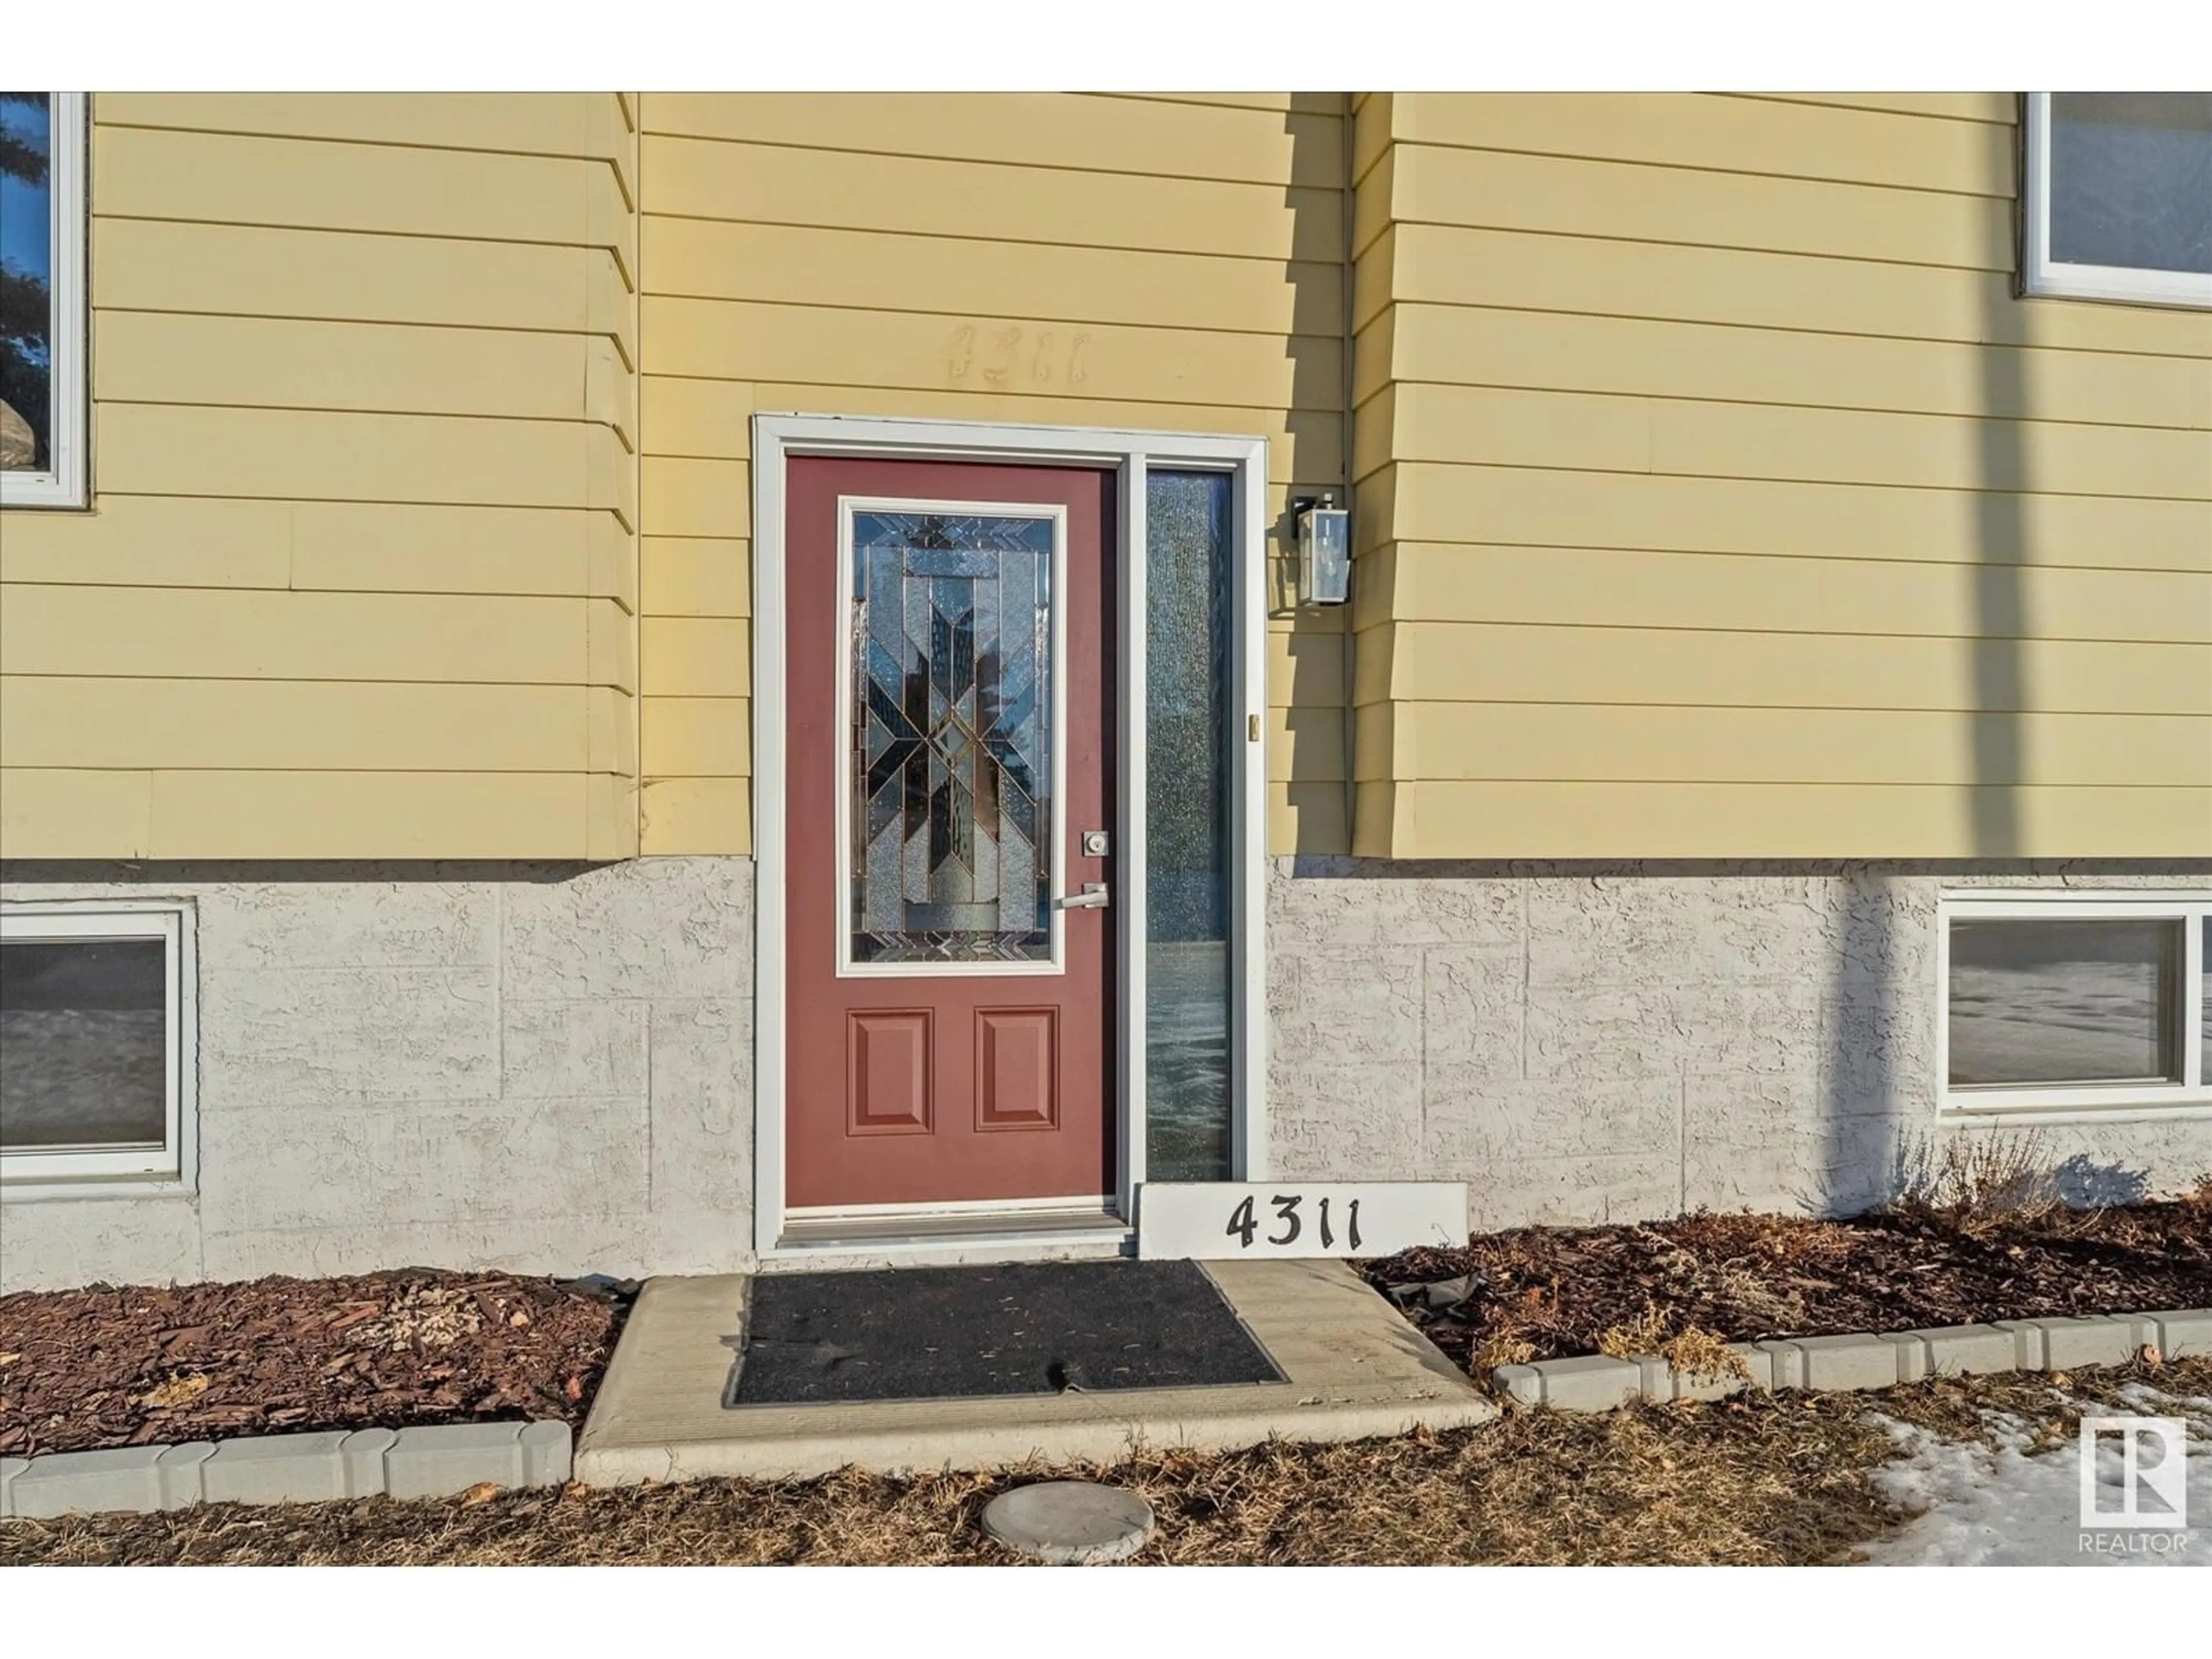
1356, 1369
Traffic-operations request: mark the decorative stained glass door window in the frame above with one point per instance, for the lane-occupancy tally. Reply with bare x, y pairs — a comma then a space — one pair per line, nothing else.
953, 695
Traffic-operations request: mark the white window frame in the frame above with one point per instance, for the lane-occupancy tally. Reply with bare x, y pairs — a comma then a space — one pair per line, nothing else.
2043, 278
170, 1167
2190, 1097
66, 484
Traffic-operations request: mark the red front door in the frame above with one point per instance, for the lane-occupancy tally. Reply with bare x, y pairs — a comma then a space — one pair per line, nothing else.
948, 750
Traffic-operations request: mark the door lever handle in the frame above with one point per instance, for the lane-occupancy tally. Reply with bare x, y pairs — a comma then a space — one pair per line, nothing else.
1092, 897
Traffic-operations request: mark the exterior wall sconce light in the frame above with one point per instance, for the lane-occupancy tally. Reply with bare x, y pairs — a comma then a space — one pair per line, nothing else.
1324, 551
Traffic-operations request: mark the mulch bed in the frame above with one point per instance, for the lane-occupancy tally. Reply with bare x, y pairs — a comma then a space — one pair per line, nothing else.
1548, 1292
81, 1371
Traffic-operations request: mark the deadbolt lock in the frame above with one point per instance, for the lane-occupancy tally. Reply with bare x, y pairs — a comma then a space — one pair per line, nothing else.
1095, 843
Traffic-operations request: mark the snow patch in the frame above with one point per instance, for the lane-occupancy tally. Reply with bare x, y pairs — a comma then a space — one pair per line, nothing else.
2006, 1506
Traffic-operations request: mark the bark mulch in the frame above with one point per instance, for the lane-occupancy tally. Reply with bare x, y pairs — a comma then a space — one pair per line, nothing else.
1548, 1292
81, 1371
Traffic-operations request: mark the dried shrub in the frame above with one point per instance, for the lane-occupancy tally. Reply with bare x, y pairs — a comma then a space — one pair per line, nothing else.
1980, 1185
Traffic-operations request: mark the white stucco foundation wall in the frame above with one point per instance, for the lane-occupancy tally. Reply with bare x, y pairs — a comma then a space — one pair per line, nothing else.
549, 1068
1589, 1043
540, 1068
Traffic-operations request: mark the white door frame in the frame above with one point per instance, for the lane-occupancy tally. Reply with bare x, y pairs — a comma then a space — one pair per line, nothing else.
1129, 455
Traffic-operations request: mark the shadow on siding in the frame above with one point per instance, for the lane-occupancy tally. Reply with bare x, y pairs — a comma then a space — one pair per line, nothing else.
1320, 348
1872, 1010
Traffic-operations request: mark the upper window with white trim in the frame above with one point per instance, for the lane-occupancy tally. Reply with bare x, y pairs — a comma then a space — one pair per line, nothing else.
2079, 999
96, 1050
42, 299
2119, 197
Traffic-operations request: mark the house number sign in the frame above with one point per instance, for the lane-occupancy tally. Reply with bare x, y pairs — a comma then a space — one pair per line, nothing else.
1216, 1220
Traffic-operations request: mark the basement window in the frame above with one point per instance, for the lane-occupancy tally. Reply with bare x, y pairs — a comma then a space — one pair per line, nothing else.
96, 1049
2118, 193
2081, 1000
43, 429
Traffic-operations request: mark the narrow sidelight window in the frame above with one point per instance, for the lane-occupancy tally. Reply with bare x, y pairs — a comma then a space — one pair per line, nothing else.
2091, 1001
95, 1044
1189, 1102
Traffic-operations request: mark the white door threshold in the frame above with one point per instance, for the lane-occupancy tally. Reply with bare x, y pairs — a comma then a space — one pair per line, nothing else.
828, 1242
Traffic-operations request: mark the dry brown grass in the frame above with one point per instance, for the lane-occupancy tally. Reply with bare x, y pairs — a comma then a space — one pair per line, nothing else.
1704, 1358
1499, 1348
1755, 1481
1643, 1335
1691, 1349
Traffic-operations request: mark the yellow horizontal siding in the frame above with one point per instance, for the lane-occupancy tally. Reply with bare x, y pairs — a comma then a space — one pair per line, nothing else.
219, 634
1789, 821
1682, 437
696, 737
152, 541
695, 815
1307, 817
1033, 282
294, 725
695, 656
1280, 102
369, 546
153, 357
1719, 499
771, 183
164, 449
1632, 202
1594, 742
49, 813
360, 572
1421, 582
1727, 135
682, 496
809, 345
182, 541
531, 124
254, 271
1534, 507
1751, 287
1307, 744
2001, 108
1566, 352
1273, 146
1305, 669
1475, 662
227, 179
704, 419
695, 576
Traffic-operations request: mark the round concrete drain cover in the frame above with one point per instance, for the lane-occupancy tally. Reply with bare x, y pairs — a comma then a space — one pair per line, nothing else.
1070, 1522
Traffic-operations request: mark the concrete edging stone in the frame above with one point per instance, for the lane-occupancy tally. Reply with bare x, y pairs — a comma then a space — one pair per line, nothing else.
440, 1461
1595, 1382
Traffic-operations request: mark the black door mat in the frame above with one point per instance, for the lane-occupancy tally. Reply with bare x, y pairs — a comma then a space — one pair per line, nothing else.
1026, 1328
